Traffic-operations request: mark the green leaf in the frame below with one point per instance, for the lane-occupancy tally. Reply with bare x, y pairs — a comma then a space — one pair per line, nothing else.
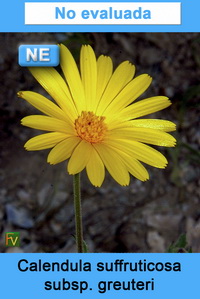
180, 246
85, 247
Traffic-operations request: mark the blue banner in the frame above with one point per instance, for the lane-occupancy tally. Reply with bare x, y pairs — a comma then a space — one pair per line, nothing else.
99, 275
99, 16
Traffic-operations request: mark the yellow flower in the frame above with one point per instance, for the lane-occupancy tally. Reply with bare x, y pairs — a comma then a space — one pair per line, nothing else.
93, 121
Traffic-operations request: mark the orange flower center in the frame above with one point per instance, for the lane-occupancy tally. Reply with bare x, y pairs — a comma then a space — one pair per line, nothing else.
90, 127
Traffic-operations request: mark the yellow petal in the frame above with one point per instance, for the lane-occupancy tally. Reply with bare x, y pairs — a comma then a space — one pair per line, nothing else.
163, 125
146, 135
121, 76
88, 66
72, 77
129, 94
63, 150
137, 169
44, 141
79, 157
117, 123
42, 104
55, 85
145, 107
47, 123
139, 151
158, 124
134, 166
104, 73
113, 163
95, 169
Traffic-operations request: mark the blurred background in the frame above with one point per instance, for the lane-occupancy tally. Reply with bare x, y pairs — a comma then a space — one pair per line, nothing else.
36, 199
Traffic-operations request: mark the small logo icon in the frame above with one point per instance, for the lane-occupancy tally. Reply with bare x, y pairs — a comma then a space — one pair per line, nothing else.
12, 239
38, 55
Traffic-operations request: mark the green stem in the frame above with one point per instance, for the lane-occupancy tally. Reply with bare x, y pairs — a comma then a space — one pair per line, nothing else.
78, 213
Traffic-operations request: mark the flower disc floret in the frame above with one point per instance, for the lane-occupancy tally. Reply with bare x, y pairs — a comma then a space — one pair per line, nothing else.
90, 127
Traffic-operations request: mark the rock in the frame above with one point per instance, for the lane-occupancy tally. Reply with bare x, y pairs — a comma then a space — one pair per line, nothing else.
44, 194
19, 216
1, 213
59, 198
3, 193
193, 234
23, 195
14, 250
150, 56
156, 242
164, 222
31, 247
